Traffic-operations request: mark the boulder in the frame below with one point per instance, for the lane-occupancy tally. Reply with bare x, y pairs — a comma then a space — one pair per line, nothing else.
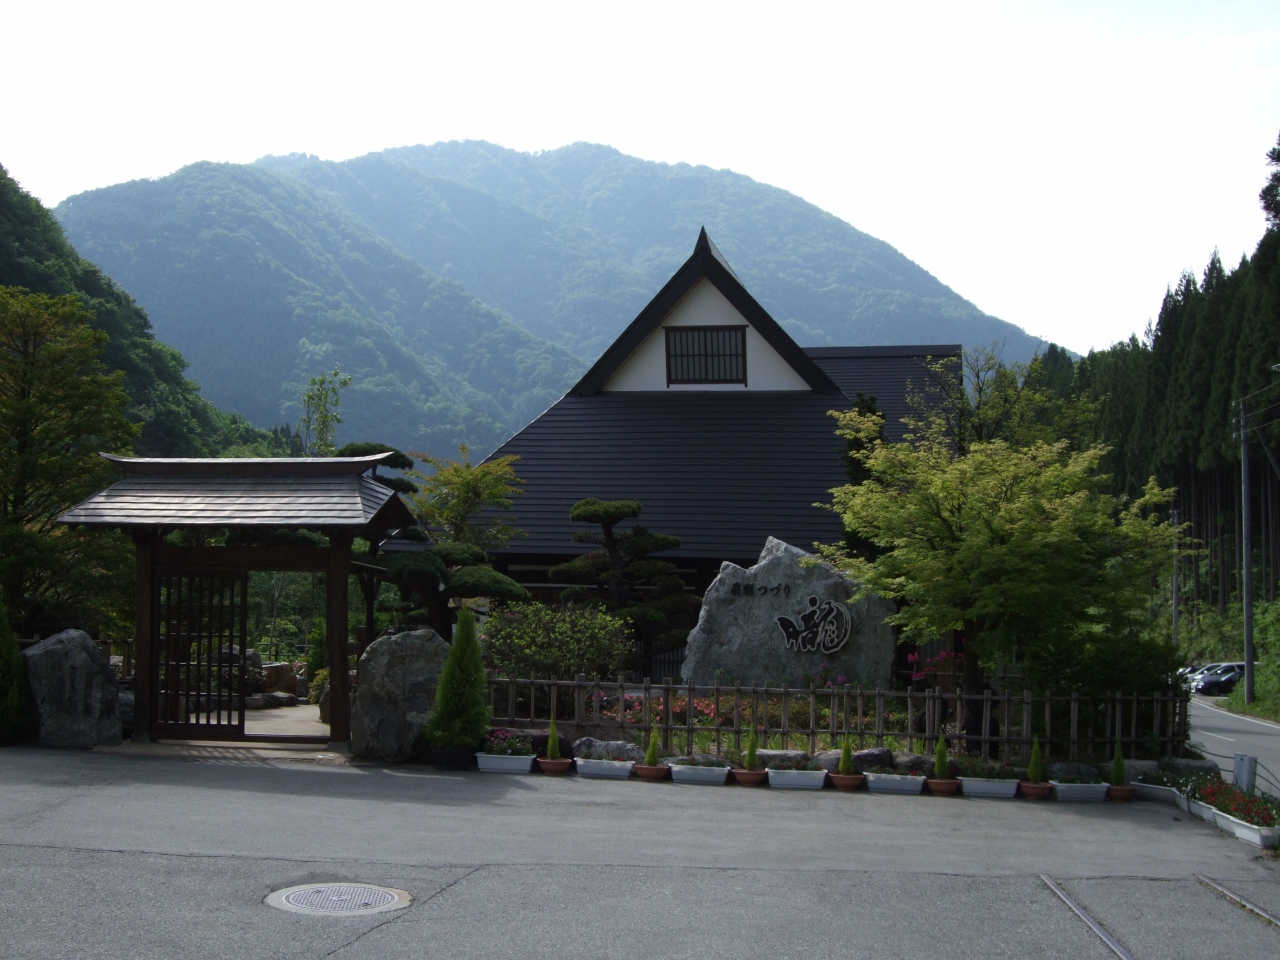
73, 691
914, 763
770, 758
279, 678
279, 700
1139, 768
323, 702
126, 706
787, 622
1071, 769
257, 701
397, 693
589, 748
1192, 765
863, 760
540, 738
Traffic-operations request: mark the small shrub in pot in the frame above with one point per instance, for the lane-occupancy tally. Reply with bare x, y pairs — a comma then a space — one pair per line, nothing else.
1035, 787
846, 777
1120, 788
750, 774
651, 769
941, 783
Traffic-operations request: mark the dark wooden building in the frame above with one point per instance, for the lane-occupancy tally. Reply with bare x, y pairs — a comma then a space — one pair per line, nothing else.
711, 415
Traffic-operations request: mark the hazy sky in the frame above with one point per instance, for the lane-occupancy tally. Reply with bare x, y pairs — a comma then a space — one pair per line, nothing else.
1057, 164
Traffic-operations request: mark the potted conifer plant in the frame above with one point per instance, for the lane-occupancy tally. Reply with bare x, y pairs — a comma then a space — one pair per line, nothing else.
1035, 787
553, 763
941, 783
651, 769
461, 717
847, 778
1120, 788
750, 774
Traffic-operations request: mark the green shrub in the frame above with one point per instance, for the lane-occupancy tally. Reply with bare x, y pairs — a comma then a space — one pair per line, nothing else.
1118, 777
12, 686
846, 758
461, 716
532, 640
1035, 769
655, 745
941, 768
553, 740
750, 762
316, 684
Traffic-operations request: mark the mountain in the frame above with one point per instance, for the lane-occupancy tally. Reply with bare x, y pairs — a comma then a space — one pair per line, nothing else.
176, 420
263, 281
573, 242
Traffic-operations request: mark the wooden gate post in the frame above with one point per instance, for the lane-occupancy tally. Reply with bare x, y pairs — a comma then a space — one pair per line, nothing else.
144, 600
336, 640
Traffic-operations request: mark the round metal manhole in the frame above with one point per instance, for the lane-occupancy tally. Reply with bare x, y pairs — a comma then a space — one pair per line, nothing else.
338, 899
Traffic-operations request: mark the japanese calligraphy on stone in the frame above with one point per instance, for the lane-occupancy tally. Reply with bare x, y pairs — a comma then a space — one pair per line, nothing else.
823, 628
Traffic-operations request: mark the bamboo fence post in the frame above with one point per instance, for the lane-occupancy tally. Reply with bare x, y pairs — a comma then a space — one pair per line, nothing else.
648, 706
1048, 721
845, 716
785, 721
622, 704
879, 717
862, 742
831, 715
1133, 729
533, 699
666, 714
1006, 740
511, 700
551, 693
911, 721
737, 718
986, 722
1026, 725
688, 720
715, 712
595, 701
813, 720
579, 703
1075, 724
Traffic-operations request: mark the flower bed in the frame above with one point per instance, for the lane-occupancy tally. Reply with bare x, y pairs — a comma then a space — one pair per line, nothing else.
1250, 808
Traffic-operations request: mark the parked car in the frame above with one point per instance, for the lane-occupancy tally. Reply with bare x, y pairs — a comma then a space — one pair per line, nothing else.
1220, 681
1189, 675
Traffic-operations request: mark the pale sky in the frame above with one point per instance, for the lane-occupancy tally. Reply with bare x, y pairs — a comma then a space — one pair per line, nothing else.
1058, 164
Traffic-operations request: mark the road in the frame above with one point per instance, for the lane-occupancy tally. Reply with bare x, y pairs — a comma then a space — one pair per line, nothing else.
1224, 734
121, 856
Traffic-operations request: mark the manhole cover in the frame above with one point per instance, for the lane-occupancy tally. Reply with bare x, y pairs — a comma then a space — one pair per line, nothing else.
338, 899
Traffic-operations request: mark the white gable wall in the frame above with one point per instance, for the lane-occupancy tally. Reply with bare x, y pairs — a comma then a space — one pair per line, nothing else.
704, 306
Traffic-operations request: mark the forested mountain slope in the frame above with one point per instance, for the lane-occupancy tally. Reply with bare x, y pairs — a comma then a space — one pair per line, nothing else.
262, 281
573, 242
176, 420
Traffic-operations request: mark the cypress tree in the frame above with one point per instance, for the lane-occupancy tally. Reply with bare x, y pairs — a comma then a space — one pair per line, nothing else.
461, 716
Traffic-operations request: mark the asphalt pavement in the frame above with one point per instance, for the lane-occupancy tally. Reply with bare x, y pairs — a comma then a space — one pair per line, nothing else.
126, 856
1222, 735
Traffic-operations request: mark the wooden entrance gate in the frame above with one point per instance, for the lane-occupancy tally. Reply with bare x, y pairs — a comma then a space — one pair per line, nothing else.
199, 679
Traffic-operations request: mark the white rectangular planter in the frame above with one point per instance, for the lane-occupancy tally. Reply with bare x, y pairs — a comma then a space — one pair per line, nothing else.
894, 783
605, 769
504, 763
1151, 791
1079, 792
687, 773
1248, 832
1201, 810
981, 787
797, 779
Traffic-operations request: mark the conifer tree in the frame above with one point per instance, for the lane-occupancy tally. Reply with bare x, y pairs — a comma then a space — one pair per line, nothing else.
461, 716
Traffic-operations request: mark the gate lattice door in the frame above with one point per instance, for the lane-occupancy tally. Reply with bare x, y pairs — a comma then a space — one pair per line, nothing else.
199, 679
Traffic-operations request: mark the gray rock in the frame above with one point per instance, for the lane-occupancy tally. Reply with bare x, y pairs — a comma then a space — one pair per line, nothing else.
1139, 768
781, 621
828, 760
1072, 769
279, 700
397, 693
323, 703
872, 757
770, 758
1191, 765
256, 701
75, 695
914, 763
589, 748
540, 739
279, 678
126, 706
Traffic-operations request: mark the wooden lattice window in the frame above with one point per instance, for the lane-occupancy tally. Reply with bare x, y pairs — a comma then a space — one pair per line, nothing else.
707, 355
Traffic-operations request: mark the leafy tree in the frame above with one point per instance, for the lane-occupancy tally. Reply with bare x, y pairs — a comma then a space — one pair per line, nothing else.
58, 409
639, 588
533, 640
458, 502
1018, 551
320, 417
1270, 195
460, 716
430, 578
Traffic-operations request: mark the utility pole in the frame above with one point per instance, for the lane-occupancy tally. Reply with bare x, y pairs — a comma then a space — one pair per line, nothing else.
1173, 516
1246, 547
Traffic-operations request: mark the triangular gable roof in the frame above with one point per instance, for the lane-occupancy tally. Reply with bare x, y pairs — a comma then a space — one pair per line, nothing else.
705, 263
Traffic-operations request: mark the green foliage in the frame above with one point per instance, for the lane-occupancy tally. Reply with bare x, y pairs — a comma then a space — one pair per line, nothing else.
941, 767
12, 682
1015, 546
58, 409
1118, 776
458, 502
846, 757
1270, 195
315, 686
639, 588
1035, 768
533, 640
430, 578
553, 740
320, 417
460, 716
749, 759
654, 751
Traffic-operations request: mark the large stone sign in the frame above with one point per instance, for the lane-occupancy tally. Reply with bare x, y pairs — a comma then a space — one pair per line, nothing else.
396, 694
780, 622
74, 692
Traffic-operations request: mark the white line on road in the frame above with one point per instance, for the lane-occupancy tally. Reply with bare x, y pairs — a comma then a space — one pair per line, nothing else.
1261, 723
1208, 734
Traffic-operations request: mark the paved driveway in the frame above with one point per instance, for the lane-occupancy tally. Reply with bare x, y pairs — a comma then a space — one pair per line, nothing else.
1223, 735
123, 856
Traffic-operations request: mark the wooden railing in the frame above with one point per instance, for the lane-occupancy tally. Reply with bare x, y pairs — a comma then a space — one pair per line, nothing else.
1070, 726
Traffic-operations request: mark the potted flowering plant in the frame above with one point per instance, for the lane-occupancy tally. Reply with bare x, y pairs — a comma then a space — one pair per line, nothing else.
704, 769
750, 774
553, 763
979, 778
941, 784
847, 778
1082, 788
651, 769
1120, 788
1036, 786
506, 751
888, 780
797, 775
1250, 817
